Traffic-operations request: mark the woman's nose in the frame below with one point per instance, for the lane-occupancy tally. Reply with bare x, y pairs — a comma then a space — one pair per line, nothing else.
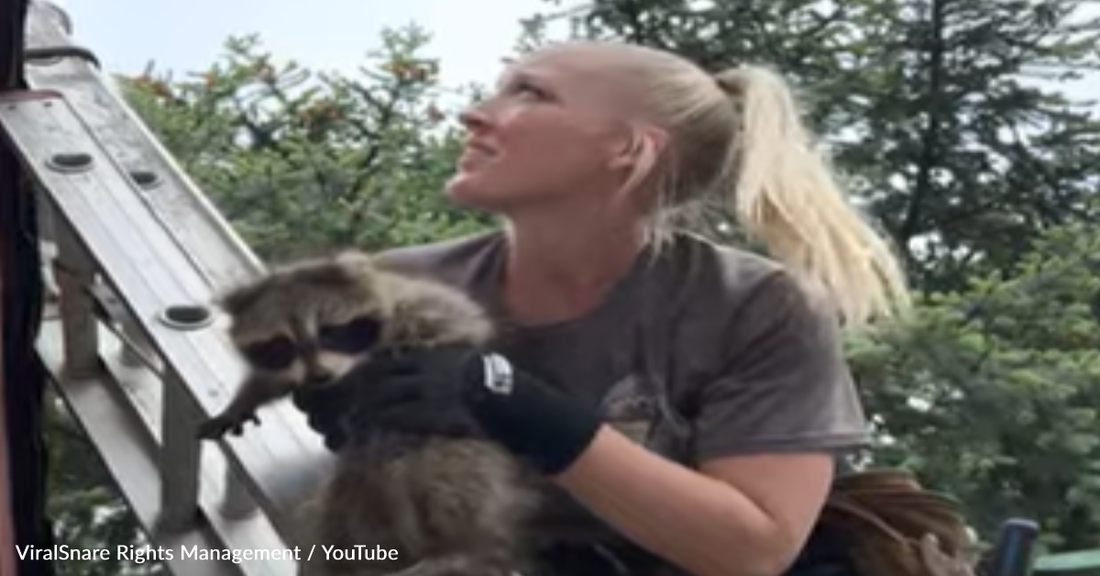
475, 118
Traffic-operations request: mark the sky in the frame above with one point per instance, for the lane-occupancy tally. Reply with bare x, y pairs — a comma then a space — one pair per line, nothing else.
187, 35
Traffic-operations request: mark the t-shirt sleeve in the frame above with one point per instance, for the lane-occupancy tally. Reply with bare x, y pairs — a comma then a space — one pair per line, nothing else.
784, 385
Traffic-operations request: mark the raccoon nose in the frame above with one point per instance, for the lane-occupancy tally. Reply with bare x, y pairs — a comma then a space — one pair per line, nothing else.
319, 376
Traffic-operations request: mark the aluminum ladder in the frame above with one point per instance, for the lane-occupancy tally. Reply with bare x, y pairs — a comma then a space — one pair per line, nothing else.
132, 345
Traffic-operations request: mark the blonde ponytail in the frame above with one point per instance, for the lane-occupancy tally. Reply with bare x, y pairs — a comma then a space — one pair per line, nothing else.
787, 196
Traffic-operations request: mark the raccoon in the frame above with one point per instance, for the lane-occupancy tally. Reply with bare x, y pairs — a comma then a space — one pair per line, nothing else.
448, 506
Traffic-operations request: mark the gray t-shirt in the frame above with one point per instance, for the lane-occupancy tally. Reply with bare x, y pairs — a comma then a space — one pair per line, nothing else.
715, 350
727, 335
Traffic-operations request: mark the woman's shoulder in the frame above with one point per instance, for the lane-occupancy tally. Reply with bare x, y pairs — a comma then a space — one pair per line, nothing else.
461, 261
767, 369
723, 276
737, 296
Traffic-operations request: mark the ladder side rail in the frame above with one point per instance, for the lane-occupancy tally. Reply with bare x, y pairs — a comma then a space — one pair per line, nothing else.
215, 248
107, 414
150, 273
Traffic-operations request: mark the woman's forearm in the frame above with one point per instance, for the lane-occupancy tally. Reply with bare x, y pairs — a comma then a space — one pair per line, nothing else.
702, 524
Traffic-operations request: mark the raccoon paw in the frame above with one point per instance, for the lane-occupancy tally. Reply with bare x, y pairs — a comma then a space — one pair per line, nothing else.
214, 428
238, 429
218, 426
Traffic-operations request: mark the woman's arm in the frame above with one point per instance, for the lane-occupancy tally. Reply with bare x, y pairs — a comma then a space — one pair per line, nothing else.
766, 432
741, 516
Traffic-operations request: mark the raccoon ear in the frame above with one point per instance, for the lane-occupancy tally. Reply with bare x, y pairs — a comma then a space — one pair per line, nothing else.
351, 266
236, 300
353, 259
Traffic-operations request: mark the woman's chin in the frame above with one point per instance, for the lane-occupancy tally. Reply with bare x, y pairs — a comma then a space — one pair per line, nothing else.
467, 189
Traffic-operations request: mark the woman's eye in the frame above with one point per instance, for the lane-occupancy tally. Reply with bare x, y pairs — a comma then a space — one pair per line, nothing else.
351, 337
532, 91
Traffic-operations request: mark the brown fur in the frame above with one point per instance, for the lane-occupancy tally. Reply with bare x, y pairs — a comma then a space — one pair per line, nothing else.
898, 527
448, 506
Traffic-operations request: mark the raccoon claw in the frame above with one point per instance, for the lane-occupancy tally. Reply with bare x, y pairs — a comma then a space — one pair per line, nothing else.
218, 426
238, 428
215, 428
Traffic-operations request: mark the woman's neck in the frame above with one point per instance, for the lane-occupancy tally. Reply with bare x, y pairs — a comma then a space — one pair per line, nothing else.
556, 271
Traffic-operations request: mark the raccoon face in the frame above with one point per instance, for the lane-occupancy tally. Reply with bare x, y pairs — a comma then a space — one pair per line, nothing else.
313, 354
308, 324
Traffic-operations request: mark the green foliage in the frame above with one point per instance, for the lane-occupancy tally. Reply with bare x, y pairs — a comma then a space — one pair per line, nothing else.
934, 109
302, 162
994, 391
86, 510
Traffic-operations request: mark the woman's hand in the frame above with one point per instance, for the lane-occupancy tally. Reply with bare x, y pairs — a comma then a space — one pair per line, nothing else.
417, 392
455, 391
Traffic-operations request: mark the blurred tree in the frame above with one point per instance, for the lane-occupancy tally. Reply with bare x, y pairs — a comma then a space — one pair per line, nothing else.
992, 392
87, 510
947, 115
300, 161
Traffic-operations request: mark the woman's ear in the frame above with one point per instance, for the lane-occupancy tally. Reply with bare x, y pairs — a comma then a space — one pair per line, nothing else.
640, 158
642, 147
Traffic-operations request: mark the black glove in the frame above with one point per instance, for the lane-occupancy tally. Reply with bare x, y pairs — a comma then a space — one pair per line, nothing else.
412, 393
326, 409
456, 390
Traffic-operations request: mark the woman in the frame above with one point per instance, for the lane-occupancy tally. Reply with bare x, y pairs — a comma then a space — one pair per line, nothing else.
734, 360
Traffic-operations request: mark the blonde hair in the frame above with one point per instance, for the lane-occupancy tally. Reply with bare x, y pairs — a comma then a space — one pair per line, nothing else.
738, 138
